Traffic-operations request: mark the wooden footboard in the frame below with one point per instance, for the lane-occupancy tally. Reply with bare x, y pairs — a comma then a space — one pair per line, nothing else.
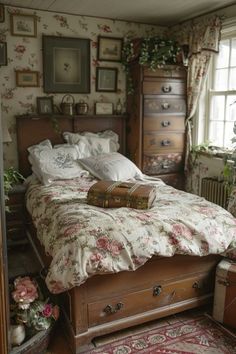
163, 286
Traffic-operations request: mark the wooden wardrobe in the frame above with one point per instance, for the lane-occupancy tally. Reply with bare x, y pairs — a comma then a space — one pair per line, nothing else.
156, 122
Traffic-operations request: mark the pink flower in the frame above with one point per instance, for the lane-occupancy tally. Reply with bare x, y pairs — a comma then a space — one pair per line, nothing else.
115, 248
182, 230
47, 311
96, 257
103, 243
25, 290
20, 49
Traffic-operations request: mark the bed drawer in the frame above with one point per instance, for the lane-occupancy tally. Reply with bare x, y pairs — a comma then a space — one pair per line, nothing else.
164, 105
163, 123
158, 143
161, 294
163, 87
163, 163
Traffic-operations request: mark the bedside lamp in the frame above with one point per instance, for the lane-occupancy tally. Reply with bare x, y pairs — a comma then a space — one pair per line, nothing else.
6, 138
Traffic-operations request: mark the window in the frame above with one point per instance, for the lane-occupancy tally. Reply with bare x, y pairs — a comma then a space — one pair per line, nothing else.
221, 94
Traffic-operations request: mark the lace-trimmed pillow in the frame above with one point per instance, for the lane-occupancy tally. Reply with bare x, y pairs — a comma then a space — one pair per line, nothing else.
111, 167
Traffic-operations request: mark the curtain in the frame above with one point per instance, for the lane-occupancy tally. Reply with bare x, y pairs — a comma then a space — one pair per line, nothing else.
201, 37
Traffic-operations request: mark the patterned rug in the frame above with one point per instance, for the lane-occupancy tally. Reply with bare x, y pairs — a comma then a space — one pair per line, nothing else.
199, 335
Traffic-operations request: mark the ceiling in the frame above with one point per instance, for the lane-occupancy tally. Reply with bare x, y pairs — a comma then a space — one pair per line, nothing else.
158, 12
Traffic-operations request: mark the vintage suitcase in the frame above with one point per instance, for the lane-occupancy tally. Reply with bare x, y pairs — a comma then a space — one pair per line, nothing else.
110, 194
224, 309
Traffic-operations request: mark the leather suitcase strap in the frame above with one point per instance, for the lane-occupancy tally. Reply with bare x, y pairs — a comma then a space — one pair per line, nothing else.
117, 184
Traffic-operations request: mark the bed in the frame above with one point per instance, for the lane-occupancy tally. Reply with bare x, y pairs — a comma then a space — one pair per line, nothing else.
145, 289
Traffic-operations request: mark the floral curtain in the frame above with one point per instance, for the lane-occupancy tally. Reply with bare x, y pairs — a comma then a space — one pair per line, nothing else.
202, 39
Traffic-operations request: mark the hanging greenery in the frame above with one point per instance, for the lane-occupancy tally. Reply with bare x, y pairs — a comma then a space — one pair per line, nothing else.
152, 52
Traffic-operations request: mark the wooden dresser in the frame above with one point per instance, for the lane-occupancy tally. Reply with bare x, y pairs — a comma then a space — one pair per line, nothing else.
156, 122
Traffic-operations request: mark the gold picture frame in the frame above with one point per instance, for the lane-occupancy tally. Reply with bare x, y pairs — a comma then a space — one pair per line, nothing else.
109, 48
23, 25
27, 78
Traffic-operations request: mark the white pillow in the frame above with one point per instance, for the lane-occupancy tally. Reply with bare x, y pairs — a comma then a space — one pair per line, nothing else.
99, 143
43, 145
57, 163
111, 167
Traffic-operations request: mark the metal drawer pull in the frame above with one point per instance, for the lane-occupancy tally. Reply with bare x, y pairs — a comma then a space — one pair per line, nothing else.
166, 88
166, 165
165, 142
165, 123
109, 309
165, 105
196, 285
157, 290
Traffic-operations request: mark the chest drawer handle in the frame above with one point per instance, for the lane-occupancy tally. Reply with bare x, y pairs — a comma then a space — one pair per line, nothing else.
165, 123
157, 290
165, 105
166, 165
165, 142
109, 309
166, 88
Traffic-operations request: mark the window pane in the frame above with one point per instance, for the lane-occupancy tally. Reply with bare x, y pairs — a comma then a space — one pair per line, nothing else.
221, 79
233, 53
231, 108
223, 57
217, 108
216, 133
228, 134
232, 78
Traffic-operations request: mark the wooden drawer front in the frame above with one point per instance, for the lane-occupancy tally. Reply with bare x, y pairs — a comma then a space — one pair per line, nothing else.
164, 163
161, 143
159, 295
166, 105
163, 123
175, 180
15, 212
167, 71
164, 87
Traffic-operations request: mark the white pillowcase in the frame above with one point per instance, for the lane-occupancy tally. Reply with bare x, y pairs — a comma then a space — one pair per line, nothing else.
99, 143
111, 167
43, 145
56, 163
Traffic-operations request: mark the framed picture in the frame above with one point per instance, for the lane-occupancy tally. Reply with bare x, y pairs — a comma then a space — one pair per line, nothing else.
103, 108
109, 48
45, 105
106, 79
27, 78
66, 64
2, 13
3, 53
23, 25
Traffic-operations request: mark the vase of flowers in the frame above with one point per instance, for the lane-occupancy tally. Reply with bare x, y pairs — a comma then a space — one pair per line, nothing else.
30, 311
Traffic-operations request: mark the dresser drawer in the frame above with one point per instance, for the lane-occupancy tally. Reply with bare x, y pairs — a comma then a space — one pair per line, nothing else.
161, 294
176, 180
163, 123
167, 71
163, 143
164, 163
163, 87
164, 105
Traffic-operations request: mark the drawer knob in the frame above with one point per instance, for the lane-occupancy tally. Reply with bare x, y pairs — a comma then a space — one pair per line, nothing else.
157, 290
166, 88
165, 123
165, 142
196, 285
109, 309
165, 105
166, 164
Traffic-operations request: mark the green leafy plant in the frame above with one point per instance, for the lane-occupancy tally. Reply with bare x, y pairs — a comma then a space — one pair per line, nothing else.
153, 52
10, 178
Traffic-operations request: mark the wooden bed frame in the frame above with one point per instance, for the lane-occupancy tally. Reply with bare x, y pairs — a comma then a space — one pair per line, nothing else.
107, 303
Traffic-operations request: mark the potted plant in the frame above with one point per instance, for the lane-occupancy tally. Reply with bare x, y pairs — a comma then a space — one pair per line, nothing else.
10, 177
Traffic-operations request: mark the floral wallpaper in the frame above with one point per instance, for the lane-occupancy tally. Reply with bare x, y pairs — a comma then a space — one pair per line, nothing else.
25, 53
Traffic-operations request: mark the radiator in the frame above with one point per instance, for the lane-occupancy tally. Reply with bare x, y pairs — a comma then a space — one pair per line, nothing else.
215, 191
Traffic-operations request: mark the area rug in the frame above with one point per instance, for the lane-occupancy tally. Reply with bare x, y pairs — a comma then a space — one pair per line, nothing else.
199, 335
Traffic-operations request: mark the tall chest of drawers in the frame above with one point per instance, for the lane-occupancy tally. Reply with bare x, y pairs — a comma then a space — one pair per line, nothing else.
156, 122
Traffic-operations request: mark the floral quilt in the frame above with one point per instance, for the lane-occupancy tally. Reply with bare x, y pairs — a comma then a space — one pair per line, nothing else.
84, 240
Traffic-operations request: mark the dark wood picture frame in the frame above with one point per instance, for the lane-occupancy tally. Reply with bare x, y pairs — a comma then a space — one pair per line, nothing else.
23, 25
109, 48
106, 79
27, 78
45, 105
2, 13
3, 53
66, 64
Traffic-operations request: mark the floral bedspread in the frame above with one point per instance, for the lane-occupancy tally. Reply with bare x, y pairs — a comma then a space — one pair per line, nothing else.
84, 240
